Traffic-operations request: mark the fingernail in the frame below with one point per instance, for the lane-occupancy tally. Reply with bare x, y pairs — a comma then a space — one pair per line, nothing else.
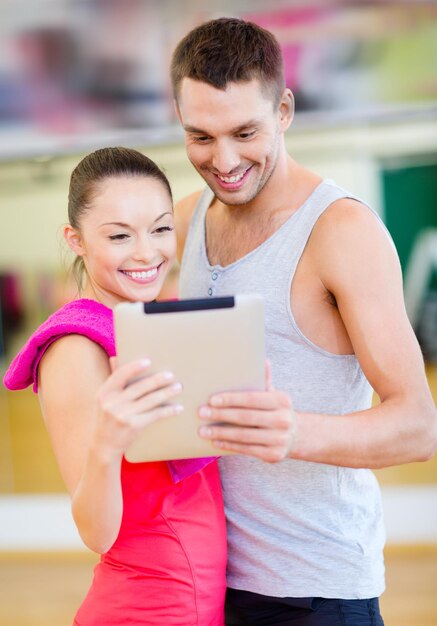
216, 400
205, 431
205, 411
168, 375
145, 362
178, 408
177, 387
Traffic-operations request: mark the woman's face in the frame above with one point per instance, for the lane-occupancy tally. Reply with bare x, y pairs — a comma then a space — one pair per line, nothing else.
126, 239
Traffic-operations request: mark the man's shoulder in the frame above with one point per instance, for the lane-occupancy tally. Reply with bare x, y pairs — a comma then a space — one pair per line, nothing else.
349, 236
348, 217
184, 210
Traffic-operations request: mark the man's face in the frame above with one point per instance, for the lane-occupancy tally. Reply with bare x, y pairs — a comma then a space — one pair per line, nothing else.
232, 136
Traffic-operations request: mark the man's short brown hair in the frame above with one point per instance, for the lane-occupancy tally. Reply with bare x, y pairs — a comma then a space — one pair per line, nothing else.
228, 50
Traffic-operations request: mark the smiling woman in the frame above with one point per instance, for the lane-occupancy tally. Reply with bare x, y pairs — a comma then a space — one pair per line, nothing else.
121, 225
126, 249
158, 526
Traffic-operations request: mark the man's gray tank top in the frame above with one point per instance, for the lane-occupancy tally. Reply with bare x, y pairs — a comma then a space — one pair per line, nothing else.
295, 528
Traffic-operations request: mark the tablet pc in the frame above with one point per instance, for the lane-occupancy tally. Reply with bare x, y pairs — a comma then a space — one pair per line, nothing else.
211, 345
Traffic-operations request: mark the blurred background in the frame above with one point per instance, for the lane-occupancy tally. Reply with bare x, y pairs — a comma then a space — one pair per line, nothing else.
76, 75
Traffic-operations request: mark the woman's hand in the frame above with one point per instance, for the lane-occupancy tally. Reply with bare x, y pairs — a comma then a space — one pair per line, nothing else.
126, 407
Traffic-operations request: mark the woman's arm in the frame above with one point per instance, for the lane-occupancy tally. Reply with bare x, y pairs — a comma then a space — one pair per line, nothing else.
92, 416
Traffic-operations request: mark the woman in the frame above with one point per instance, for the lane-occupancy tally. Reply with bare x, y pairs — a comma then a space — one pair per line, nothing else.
161, 536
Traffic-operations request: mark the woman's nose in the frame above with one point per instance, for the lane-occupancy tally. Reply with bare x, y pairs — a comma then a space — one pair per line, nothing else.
144, 249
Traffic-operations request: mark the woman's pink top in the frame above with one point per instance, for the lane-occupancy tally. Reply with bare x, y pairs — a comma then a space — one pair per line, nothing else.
167, 565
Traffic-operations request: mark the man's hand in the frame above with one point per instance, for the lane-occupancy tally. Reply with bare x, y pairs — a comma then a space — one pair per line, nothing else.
257, 423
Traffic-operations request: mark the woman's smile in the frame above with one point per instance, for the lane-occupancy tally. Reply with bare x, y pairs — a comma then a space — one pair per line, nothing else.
143, 275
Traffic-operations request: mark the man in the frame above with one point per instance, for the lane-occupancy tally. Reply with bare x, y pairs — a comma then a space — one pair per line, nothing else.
305, 527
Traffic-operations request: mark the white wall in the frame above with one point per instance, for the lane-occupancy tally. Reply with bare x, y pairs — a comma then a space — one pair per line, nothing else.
33, 194
44, 522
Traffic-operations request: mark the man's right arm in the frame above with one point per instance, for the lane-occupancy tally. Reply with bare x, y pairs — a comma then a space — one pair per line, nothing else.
184, 210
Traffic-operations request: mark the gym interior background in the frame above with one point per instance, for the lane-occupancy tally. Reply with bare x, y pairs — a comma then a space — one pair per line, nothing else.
75, 76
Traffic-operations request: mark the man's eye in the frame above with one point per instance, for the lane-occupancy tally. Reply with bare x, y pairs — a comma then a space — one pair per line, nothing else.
202, 139
247, 135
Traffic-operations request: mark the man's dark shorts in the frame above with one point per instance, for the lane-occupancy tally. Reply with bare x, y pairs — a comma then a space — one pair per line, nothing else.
244, 608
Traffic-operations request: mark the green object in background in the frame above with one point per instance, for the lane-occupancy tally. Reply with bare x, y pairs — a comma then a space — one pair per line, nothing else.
410, 204
410, 199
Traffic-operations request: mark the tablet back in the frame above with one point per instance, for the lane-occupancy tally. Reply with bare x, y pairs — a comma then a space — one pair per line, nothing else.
208, 350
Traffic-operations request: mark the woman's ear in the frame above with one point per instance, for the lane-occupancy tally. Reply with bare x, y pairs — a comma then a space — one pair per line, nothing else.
286, 109
74, 240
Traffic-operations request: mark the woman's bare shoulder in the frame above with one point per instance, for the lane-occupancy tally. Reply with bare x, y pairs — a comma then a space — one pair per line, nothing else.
75, 358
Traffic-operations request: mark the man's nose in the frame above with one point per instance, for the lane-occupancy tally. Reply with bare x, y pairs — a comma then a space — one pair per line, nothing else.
225, 158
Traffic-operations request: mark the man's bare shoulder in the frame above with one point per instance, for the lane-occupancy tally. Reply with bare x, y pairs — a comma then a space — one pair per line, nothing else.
184, 210
347, 211
350, 220
350, 241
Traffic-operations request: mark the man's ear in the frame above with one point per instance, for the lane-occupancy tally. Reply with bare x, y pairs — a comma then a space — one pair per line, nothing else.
286, 110
74, 240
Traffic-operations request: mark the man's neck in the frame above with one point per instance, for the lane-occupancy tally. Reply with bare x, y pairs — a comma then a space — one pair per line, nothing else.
234, 231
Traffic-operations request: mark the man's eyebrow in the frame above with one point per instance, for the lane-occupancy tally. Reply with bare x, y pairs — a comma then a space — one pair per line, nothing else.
198, 131
193, 129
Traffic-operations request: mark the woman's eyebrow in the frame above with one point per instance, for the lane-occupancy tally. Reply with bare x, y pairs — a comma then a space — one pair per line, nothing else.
124, 225
163, 215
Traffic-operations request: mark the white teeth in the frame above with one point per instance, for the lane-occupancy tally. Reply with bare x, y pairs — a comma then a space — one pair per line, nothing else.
142, 275
232, 179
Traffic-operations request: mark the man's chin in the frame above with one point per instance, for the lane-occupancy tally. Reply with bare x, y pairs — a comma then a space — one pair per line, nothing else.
231, 198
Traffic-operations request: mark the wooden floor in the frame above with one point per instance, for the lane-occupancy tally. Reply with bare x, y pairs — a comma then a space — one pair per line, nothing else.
411, 596
45, 590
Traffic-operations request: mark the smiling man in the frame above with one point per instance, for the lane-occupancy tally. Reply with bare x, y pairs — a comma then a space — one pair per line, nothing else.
305, 529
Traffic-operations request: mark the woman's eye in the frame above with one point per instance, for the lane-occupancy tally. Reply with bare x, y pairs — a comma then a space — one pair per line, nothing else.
164, 229
118, 237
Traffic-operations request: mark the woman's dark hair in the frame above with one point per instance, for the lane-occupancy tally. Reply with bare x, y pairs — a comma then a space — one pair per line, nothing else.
228, 50
95, 167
